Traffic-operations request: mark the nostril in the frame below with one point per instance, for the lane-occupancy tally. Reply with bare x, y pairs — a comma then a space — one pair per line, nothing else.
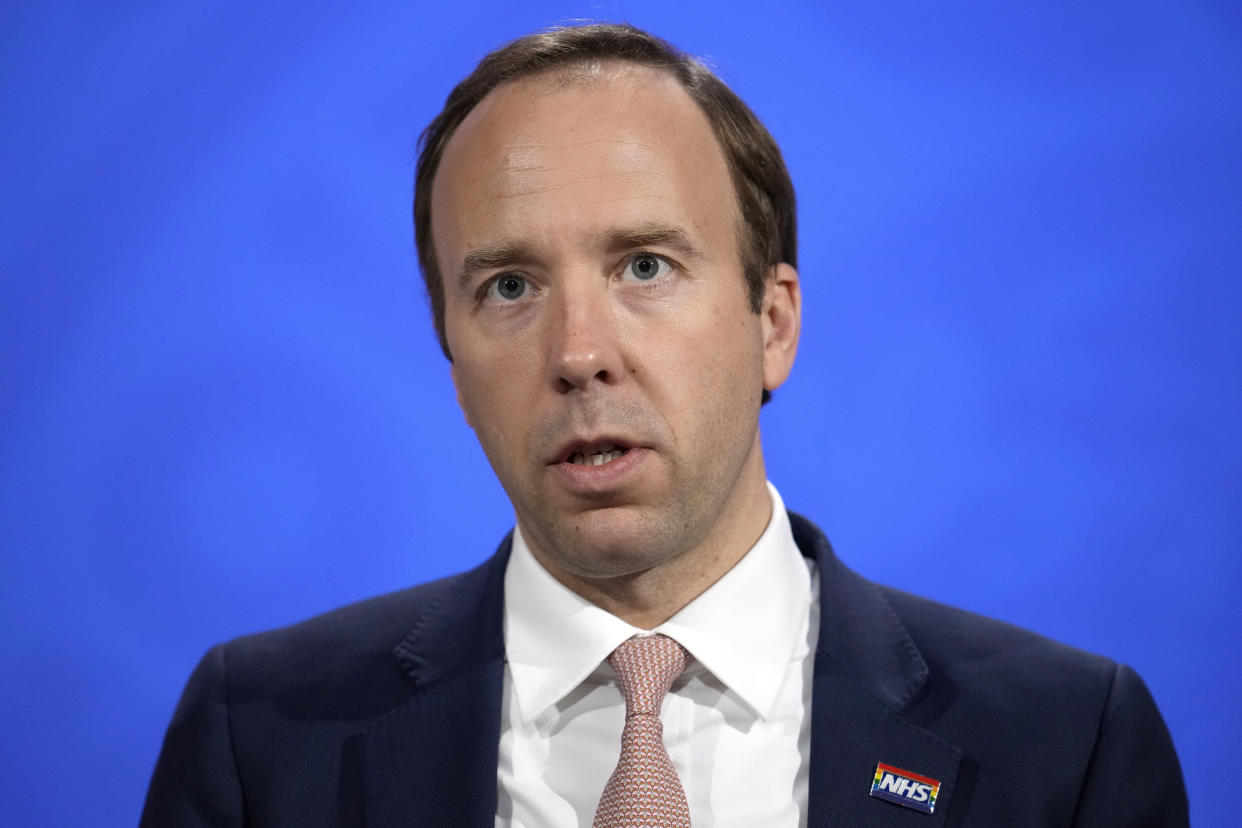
567, 382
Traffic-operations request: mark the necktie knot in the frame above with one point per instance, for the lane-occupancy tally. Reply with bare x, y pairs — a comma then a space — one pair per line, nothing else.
647, 666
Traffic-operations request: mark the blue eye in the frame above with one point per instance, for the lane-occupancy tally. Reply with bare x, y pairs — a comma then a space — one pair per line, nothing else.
646, 266
508, 287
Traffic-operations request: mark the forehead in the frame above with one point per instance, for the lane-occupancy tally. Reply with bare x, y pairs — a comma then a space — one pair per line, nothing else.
573, 152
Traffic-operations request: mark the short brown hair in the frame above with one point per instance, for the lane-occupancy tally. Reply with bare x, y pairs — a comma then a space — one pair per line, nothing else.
765, 193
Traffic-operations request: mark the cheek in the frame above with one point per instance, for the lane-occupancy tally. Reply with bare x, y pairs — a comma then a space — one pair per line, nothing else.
726, 351
708, 377
493, 398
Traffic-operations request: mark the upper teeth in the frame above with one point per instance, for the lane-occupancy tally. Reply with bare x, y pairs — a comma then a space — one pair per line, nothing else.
596, 457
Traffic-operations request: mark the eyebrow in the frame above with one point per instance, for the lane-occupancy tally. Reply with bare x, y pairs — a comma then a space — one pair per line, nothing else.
508, 253
652, 235
491, 257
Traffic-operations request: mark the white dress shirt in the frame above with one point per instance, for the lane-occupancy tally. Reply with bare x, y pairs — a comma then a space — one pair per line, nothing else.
736, 723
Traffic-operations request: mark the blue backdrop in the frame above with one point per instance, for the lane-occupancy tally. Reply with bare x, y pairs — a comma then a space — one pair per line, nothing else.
223, 408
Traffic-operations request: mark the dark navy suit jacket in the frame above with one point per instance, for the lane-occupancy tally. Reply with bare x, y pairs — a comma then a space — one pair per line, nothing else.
387, 713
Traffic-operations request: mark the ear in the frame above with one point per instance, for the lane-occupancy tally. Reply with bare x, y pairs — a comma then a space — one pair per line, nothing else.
457, 387
781, 319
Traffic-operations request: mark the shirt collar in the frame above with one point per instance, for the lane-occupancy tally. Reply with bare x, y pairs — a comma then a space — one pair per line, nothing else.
744, 629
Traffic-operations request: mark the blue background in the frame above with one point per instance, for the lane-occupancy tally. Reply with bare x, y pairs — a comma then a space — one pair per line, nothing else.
223, 408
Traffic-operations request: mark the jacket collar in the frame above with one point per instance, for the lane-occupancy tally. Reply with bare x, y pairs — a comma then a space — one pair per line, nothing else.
867, 670
432, 760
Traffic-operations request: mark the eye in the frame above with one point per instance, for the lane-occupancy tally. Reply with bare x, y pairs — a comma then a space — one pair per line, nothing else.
506, 287
646, 267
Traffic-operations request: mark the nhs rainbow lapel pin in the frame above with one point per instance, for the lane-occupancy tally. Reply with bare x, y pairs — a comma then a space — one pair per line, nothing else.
905, 788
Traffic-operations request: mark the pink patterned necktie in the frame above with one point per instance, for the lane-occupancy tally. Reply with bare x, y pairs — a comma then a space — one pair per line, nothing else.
644, 791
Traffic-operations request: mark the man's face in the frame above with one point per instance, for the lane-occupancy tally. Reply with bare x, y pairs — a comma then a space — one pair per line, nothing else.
603, 347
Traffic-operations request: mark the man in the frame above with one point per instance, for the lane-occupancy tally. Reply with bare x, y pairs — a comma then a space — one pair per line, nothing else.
607, 235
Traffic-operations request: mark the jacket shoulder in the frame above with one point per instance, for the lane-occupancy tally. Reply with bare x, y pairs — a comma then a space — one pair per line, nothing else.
350, 645
961, 642
881, 632
269, 727
1010, 697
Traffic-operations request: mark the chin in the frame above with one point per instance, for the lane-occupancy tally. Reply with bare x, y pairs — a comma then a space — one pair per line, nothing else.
612, 543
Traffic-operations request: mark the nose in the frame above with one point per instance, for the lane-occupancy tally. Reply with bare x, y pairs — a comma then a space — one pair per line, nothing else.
583, 341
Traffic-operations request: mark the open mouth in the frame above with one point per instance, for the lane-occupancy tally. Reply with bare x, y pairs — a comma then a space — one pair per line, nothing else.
599, 455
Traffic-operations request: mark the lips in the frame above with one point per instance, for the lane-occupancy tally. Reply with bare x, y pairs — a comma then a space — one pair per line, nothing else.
598, 469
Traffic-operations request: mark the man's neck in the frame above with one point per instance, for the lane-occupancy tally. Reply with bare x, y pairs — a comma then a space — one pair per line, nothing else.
650, 597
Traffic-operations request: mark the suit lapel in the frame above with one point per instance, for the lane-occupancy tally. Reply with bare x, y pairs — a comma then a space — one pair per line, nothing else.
432, 760
867, 670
